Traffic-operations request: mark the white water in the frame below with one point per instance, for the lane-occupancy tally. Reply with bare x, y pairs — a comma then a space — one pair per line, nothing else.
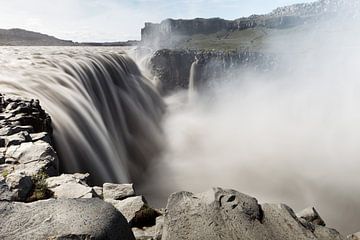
105, 114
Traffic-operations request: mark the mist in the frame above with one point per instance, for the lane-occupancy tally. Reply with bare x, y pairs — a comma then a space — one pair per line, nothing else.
289, 135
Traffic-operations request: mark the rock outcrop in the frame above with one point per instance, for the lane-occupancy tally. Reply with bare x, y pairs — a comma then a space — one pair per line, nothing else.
73, 209
170, 32
172, 67
62, 219
26, 149
228, 214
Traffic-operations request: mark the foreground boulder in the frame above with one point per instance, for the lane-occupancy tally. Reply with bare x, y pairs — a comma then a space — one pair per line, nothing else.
62, 219
228, 214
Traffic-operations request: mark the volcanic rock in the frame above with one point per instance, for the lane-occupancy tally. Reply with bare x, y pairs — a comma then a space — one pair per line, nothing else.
62, 218
228, 214
117, 191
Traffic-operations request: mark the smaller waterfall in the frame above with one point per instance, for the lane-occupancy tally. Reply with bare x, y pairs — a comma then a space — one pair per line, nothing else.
195, 75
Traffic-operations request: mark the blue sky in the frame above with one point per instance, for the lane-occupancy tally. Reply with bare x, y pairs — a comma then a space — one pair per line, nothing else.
112, 20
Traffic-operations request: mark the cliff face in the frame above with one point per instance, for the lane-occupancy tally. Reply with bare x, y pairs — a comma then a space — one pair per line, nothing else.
172, 33
172, 67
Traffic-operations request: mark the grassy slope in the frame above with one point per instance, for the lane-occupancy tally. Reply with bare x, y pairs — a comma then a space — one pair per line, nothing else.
255, 39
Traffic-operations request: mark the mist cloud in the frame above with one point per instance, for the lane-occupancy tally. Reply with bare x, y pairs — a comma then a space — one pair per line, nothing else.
291, 135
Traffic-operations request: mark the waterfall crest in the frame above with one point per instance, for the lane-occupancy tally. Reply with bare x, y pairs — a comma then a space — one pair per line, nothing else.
106, 115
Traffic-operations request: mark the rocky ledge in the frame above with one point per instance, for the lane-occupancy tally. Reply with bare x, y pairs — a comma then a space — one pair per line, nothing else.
38, 203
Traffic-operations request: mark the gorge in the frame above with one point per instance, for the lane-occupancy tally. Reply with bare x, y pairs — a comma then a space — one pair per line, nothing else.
267, 105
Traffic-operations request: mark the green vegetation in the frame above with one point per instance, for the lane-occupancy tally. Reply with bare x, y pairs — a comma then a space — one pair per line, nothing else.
5, 173
258, 39
40, 188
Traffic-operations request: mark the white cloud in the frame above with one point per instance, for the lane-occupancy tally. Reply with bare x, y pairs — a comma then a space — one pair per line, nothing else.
112, 20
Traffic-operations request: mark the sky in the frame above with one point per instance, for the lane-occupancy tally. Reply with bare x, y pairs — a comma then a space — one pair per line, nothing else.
118, 20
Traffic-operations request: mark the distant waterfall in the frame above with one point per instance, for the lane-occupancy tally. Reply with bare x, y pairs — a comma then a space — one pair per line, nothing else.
106, 115
194, 79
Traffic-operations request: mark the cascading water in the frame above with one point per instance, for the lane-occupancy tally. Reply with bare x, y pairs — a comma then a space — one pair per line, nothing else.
106, 115
192, 78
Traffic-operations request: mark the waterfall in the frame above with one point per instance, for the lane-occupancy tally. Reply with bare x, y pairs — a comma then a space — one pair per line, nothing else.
194, 78
106, 115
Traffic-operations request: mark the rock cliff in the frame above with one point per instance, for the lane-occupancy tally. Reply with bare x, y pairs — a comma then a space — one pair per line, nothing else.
172, 67
172, 33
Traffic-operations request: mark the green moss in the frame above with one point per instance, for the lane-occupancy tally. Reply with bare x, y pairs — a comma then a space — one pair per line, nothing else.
40, 187
5, 173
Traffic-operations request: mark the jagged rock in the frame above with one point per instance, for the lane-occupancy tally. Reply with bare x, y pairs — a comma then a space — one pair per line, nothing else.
70, 186
99, 191
312, 216
43, 136
117, 191
281, 223
228, 214
20, 184
17, 138
216, 214
129, 206
324, 233
59, 218
26, 146
355, 236
159, 227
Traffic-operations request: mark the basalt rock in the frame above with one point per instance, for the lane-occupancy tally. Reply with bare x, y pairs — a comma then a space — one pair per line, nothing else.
172, 67
26, 146
228, 214
62, 219
170, 33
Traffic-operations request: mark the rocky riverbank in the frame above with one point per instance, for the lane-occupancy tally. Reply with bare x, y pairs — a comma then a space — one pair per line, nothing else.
37, 202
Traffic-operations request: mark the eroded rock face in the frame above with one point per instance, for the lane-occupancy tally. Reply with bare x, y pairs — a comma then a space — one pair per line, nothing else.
228, 214
62, 218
